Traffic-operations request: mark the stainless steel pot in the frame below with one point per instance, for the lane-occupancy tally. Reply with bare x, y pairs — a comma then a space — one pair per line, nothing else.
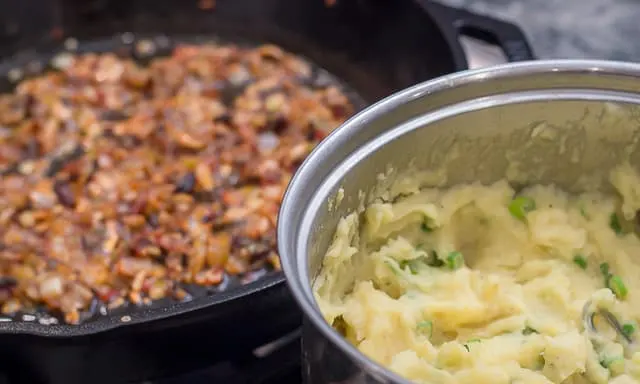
563, 122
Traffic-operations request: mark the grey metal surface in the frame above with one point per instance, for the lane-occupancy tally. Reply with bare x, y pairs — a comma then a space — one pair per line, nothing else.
481, 54
492, 120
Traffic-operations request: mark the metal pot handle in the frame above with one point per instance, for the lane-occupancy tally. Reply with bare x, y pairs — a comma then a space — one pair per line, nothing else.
507, 36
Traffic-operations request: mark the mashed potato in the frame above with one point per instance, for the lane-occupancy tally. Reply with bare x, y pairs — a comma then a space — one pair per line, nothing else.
479, 284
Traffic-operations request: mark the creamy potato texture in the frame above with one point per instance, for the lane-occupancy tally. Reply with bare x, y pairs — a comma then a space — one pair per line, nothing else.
478, 284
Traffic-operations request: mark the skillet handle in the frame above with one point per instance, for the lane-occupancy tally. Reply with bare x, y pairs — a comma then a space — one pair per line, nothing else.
507, 36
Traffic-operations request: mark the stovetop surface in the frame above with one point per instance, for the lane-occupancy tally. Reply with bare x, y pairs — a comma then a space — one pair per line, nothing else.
275, 363
278, 362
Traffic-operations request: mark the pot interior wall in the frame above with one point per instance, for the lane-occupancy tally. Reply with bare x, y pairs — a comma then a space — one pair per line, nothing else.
570, 141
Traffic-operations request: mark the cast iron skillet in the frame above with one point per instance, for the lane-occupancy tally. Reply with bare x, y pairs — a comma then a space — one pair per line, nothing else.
375, 46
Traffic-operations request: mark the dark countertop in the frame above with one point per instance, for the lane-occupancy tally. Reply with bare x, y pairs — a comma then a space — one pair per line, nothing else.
595, 29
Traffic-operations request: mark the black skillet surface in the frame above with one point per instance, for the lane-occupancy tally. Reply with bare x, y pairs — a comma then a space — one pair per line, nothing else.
375, 47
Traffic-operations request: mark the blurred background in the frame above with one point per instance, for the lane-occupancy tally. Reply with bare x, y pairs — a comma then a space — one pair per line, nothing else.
570, 28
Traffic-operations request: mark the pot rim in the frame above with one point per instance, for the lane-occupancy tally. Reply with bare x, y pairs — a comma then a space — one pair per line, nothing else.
295, 205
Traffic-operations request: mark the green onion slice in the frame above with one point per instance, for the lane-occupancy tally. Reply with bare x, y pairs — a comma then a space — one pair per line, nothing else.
425, 327
580, 261
628, 329
615, 284
520, 206
614, 223
455, 260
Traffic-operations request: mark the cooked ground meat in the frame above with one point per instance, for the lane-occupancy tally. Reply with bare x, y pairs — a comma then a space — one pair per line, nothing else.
121, 183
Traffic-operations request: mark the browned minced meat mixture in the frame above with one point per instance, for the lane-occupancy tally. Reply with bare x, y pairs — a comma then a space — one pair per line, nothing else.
120, 183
